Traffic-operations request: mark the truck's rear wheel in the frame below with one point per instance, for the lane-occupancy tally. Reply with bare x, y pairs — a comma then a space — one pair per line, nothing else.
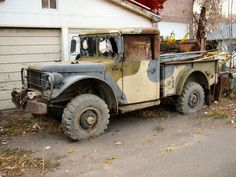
85, 116
192, 98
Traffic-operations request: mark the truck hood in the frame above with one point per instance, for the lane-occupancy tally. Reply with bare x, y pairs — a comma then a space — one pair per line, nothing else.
67, 67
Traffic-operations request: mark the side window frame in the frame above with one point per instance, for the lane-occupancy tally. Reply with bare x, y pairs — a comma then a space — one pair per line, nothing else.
48, 5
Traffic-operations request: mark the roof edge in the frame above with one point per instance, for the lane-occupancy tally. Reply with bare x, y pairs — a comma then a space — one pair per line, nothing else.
138, 10
147, 30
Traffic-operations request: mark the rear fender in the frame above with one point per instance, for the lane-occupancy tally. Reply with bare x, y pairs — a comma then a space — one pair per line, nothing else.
184, 76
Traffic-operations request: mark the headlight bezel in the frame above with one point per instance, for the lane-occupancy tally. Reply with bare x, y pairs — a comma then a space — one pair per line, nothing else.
54, 79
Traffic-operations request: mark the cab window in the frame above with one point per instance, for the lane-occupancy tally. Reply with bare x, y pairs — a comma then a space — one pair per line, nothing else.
107, 46
88, 46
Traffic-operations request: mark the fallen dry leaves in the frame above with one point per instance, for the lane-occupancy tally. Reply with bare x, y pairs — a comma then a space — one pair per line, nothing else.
21, 125
169, 148
156, 112
150, 139
152, 113
158, 128
70, 150
225, 109
109, 160
18, 162
199, 131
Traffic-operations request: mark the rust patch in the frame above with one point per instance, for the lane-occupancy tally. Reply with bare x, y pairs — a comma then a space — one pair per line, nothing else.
138, 47
224, 86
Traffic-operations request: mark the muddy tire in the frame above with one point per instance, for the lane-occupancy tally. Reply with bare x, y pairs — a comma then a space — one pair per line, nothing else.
192, 98
85, 116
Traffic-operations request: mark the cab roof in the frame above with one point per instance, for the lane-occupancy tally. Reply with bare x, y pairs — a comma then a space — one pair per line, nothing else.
121, 31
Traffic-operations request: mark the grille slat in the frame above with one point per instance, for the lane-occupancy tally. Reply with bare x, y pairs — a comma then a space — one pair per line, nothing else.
37, 79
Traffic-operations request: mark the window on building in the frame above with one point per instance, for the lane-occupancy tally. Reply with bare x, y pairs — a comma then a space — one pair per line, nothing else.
49, 4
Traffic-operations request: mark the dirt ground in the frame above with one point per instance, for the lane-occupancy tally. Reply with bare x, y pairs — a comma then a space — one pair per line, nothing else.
151, 142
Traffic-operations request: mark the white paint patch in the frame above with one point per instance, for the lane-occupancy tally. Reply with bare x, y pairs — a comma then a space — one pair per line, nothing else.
180, 29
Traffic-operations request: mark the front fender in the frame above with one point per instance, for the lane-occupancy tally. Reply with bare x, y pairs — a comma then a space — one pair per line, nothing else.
182, 78
74, 79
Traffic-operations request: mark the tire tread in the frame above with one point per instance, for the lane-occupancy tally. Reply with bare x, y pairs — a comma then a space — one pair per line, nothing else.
180, 106
67, 116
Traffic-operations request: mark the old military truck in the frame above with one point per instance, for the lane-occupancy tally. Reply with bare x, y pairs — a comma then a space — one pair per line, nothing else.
115, 71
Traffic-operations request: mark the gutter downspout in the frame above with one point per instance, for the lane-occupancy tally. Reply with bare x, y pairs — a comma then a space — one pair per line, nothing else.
65, 43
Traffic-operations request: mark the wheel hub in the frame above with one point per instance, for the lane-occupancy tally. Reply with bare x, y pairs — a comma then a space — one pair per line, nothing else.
88, 119
91, 120
193, 99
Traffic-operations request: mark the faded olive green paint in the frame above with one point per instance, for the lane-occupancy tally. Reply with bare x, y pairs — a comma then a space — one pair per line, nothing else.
119, 70
144, 85
114, 68
176, 75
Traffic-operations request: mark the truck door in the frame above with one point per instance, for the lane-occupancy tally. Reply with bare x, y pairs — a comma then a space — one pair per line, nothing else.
141, 69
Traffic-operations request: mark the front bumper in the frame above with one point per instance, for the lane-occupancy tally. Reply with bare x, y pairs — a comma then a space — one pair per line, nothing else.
30, 100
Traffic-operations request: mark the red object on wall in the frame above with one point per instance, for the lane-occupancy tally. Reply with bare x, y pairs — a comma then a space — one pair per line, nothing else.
154, 5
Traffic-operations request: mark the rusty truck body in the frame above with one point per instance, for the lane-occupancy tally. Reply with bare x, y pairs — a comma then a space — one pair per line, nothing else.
116, 71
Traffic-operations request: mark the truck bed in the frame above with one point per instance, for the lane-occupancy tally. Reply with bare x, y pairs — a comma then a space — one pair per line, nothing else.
177, 68
171, 57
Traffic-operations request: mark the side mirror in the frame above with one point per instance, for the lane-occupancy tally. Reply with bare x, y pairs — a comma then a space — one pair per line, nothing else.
120, 47
75, 45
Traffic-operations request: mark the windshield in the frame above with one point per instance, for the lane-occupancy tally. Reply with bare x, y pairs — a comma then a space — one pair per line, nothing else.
88, 46
107, 46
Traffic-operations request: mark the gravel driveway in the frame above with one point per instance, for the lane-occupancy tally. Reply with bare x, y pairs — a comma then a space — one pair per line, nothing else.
154, 142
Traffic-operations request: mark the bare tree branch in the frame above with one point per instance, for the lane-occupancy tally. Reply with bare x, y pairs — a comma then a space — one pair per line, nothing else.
214, 14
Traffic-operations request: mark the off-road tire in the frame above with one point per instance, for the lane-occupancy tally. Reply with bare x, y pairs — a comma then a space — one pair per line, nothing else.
74, 110
191, 89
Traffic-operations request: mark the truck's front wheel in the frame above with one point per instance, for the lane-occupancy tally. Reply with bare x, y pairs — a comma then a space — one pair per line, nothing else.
85, 116
192, 98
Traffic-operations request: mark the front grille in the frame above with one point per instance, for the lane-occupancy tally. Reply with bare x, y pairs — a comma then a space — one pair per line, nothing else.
37, 79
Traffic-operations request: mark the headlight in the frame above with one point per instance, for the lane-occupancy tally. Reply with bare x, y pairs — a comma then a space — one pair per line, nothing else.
24, 77
51, 79
55, 78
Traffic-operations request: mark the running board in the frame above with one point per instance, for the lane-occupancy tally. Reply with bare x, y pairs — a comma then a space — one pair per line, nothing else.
133, 107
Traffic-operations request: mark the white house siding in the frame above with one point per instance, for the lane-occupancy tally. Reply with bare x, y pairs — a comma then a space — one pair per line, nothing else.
20, 47
69, 14
180, 29
18, 51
